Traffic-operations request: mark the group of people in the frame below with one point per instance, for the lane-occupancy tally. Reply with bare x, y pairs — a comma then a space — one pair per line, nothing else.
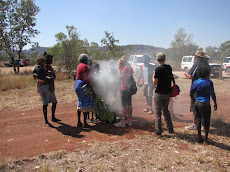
160, 78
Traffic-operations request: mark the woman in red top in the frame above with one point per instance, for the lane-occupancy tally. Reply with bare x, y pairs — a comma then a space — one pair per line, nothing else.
126, 72
85, 101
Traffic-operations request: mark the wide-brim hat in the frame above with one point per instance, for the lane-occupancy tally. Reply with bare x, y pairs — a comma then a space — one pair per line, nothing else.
200, 54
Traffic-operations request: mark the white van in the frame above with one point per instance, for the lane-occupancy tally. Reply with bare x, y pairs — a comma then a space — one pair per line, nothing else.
188, 61
136, 61
226, 65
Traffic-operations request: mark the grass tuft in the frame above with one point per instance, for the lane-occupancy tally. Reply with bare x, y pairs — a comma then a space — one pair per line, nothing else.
11, 81
62, 76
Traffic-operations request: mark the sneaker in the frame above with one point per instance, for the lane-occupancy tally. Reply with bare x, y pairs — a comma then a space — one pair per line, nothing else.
119, 124
146, 110
191, 127
150, 112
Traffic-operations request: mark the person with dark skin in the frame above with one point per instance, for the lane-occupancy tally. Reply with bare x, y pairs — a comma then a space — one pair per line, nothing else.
146, 75
200, 58
45, 75
85, 101
204, 89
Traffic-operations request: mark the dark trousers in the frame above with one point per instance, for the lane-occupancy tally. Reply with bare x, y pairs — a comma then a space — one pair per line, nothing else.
161, 105
202, 112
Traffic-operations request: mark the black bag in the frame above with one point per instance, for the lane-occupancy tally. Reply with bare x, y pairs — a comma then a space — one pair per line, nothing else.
132, 87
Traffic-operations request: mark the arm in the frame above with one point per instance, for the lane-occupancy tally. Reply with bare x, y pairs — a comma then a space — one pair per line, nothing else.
213, 95
155, 81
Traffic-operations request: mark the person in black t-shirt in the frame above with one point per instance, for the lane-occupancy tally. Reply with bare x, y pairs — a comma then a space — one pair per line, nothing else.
162, 80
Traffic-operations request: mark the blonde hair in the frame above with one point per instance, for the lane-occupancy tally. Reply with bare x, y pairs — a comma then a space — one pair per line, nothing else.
120, 62
160, 57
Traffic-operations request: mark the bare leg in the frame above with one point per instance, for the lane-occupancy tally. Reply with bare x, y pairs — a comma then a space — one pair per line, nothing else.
79, 124
53, 112
44, 109
85, 118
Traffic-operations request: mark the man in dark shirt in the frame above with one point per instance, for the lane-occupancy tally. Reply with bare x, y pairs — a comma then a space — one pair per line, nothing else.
162, 80
200, 58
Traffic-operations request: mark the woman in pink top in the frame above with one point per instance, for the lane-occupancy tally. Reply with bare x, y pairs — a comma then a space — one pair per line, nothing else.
126, 72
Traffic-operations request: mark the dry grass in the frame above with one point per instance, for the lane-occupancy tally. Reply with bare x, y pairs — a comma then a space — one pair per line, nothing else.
62, 76
10, 81
143, 153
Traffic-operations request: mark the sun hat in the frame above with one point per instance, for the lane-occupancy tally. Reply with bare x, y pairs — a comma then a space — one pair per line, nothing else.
200, 54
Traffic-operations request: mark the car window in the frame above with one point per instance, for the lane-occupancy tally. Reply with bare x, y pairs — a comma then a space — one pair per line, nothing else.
226, 60
185, 59
190, 59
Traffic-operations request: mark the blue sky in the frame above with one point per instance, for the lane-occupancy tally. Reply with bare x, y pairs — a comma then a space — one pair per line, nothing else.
148, 22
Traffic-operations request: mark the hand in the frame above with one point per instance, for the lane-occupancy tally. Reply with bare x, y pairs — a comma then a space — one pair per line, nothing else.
215, 107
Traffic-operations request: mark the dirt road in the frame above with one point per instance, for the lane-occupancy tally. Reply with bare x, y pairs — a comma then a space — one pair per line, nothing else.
23, 133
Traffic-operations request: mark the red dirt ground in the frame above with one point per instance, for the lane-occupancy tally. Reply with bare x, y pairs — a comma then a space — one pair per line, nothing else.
23, 133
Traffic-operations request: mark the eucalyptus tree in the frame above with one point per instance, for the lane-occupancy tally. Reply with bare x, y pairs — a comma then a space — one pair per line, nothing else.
224, 50
17, 26
68, 49
182, 45
112, 50
213, 52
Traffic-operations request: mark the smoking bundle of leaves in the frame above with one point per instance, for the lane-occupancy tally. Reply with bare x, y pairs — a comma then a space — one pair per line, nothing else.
101, 108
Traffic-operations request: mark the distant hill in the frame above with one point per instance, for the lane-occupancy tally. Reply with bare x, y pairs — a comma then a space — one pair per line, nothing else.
38, 50
129, 49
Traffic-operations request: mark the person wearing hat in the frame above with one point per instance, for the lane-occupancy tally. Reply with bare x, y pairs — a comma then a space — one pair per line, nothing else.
201, 60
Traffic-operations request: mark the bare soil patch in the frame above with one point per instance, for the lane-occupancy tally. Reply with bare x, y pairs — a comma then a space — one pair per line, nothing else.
24, 135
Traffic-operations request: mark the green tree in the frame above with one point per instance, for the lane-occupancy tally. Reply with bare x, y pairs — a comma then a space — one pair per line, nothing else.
181, 46
94, 51
68, 49
224, 50
17, 26
112, 50
213, 52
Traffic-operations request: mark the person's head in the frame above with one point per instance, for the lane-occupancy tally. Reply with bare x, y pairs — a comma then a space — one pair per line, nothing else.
203, 72
90, 62
83, 58
48, 57
41, 61
146, 59
124, 57
96, 67
121, 63
199, 55
161, 57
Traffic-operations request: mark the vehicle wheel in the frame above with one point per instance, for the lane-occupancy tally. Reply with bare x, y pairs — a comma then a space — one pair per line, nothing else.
186, 70
227, 71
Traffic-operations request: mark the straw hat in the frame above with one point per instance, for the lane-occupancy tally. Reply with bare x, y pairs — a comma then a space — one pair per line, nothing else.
200, 54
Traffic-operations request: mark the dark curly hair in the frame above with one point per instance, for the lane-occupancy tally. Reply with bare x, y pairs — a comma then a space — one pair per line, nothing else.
48, 57
203, 72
